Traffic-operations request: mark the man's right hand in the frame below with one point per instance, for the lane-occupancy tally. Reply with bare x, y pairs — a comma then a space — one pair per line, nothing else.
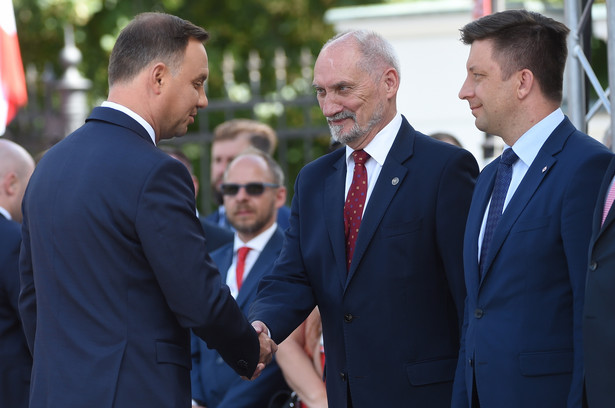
267, 347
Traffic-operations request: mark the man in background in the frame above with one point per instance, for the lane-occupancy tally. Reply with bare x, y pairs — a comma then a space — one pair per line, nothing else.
231, 138
253, 191
16, 166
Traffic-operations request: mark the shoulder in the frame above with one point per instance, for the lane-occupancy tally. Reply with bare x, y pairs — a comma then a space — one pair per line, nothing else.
10, 233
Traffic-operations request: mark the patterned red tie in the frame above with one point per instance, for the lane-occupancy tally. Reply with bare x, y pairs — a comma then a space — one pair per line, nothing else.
355, 201
242, 253
608, 203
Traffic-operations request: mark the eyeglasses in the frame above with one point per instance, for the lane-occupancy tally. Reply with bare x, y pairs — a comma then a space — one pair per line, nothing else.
252, 189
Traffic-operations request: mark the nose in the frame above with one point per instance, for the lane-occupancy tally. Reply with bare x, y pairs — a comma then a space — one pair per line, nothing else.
330, 105
203, 101
466, 91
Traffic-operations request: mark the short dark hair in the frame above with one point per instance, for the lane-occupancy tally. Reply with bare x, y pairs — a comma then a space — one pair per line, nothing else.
149, 37
525, 40
275, 171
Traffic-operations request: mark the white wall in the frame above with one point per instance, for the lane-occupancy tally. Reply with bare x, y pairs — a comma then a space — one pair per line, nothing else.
432, 59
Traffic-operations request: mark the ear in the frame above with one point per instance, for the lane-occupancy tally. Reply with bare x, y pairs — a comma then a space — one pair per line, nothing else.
391, 82
526, 83
280, 197
9, 183
157, 77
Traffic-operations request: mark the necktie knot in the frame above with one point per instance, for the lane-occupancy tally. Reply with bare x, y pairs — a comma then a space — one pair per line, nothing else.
360, 156
509, 157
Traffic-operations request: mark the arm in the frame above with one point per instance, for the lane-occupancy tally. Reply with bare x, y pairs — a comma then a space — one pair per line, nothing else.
27, 295
454, 198
172, 240
300, 371
577, 214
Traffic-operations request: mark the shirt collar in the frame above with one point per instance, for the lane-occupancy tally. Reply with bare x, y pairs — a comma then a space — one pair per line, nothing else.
530, 143
258, 242
7, 215
379, 147
135, 116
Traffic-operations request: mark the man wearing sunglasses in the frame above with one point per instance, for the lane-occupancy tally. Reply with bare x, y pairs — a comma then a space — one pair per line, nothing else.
230, 139
253, 191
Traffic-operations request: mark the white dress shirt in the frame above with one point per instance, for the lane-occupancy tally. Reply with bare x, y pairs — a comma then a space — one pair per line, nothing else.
378, 149
256, 245
135, 116
7, 215
526, 148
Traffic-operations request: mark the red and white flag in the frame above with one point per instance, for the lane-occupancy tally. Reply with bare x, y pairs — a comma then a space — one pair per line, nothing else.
13, 92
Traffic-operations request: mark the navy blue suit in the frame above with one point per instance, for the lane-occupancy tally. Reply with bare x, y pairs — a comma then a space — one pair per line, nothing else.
391, 323
214, 383
15, 358
521, 341
599, 314
215, 235
114, 274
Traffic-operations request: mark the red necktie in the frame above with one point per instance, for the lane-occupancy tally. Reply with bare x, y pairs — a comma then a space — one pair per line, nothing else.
355, 201
609, 202
242, 253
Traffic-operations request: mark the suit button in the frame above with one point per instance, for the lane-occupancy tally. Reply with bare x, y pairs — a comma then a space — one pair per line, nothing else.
478, 313
471, 363
593, 266
343, 376
348, 317
242, 364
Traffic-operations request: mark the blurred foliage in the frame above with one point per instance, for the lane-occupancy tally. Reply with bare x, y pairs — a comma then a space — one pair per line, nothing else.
236, 26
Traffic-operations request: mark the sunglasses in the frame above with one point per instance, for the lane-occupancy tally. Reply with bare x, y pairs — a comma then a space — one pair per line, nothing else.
252, 189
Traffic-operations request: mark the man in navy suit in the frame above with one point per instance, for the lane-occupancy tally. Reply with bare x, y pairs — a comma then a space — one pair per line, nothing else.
599, 312
231, 138
16, 166
391, 313
526, 240
253, 190
113, 271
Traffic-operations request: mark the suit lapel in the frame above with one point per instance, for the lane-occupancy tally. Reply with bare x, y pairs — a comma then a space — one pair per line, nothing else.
333, 198
540, 168
390, 180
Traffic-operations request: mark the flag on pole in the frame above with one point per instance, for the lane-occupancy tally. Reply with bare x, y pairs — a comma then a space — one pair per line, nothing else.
13, 93
482, 8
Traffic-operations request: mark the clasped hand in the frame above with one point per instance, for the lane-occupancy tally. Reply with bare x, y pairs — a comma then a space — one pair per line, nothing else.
267, 347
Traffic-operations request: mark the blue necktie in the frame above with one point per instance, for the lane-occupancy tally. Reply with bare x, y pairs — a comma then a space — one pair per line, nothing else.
502, 181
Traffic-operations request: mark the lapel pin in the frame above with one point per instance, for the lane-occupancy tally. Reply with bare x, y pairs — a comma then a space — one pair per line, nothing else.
544, 169
395, 181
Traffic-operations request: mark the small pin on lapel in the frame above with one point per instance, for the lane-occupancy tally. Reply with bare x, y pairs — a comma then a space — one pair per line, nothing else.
395, 181
544, 169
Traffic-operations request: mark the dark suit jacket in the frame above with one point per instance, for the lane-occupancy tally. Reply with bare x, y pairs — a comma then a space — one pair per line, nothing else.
215, 236
114, 274
599, 314
15, 358
522, 332
213, 382
282, 220
391, 323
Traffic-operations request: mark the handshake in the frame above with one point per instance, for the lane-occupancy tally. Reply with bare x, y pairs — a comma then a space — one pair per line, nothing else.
267, 347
